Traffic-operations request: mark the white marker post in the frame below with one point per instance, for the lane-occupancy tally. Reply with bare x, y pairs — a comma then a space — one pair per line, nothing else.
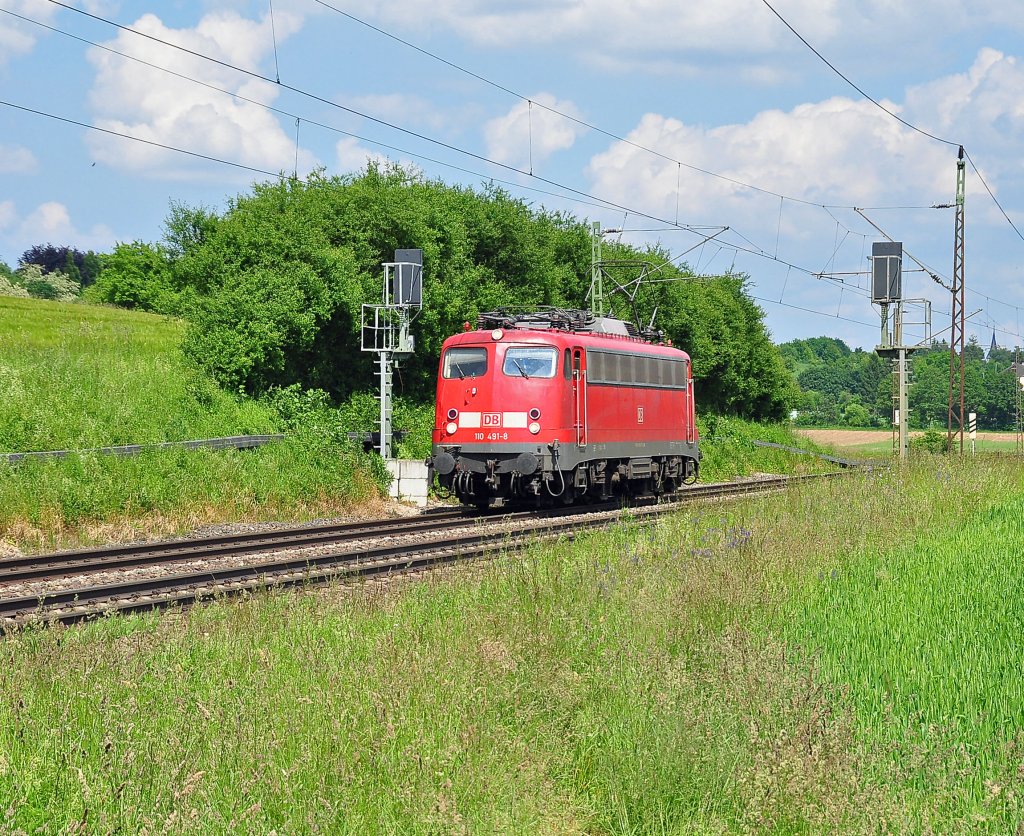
972, 426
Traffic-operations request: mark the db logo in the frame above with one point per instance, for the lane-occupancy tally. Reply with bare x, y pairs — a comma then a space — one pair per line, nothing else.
492, 419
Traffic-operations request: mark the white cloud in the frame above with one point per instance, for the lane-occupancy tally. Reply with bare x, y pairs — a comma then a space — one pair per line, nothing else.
16, 159
50, 222
16, 37
665, 37
351, 156
532, 134
986, 102
836, 151
130, 98
725, 24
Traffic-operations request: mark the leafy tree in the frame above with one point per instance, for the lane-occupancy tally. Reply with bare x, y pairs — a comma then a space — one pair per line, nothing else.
973, 350
187, 228
137, 275
82, 268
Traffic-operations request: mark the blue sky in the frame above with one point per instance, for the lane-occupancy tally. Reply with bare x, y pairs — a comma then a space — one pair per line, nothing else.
665, 88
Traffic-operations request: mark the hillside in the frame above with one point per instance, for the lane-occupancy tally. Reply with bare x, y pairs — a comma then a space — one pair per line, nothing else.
75, 376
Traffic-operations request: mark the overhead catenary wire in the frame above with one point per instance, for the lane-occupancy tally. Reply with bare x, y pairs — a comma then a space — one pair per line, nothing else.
602, 203
935, 277
895, 116
577, 195
322, 100
581, 122
527, 173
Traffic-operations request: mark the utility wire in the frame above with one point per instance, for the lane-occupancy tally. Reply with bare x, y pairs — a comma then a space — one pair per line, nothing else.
139, 139
845, 78
575, 119
355, 112
991, 194
582, 197
895, 116
448, 146
935, 277
667, 157
758, 251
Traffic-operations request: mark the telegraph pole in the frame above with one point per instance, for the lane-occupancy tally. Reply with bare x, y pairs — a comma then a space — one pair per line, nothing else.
596, 273
956, 338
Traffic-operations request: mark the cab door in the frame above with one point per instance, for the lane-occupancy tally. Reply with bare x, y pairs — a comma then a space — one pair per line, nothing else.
579, 392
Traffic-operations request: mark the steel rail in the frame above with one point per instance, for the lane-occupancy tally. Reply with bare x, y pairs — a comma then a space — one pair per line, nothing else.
103, 558
127, 556
134, 595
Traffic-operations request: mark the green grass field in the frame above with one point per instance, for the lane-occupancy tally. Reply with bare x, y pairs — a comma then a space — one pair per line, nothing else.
842, 658
76, 376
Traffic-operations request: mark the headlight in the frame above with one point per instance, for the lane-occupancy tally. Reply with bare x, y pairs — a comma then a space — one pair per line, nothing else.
453, 413
535, 414
534, 427
451, 428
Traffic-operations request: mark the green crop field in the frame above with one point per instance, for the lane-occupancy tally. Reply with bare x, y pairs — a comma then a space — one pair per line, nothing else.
843, 658
75, 376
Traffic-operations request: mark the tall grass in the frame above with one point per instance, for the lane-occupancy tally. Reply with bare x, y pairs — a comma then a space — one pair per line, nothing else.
77, 376
925, 633
648, 680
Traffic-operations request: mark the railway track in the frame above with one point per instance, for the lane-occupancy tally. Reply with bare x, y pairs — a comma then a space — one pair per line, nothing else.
353, 550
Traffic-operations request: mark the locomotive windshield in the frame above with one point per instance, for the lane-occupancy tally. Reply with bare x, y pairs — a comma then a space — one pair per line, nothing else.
464, 362
530, 362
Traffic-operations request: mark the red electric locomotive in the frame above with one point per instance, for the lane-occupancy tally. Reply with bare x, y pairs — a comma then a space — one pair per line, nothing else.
559, 406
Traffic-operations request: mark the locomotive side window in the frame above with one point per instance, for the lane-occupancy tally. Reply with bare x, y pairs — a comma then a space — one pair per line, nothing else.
530, 362
618, 368
568, 365
464, 362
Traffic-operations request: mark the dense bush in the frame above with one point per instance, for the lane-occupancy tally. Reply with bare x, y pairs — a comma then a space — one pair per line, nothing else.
55, 286
8, 287
138, 276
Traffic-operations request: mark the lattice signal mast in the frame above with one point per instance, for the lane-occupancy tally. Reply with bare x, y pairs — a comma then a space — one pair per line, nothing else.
386, 330
956, 338
886, 291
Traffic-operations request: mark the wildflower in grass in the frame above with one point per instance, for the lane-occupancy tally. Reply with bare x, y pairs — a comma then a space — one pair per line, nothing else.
705, 553
737, 536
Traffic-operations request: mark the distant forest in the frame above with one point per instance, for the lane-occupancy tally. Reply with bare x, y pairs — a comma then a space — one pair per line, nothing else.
841, 386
